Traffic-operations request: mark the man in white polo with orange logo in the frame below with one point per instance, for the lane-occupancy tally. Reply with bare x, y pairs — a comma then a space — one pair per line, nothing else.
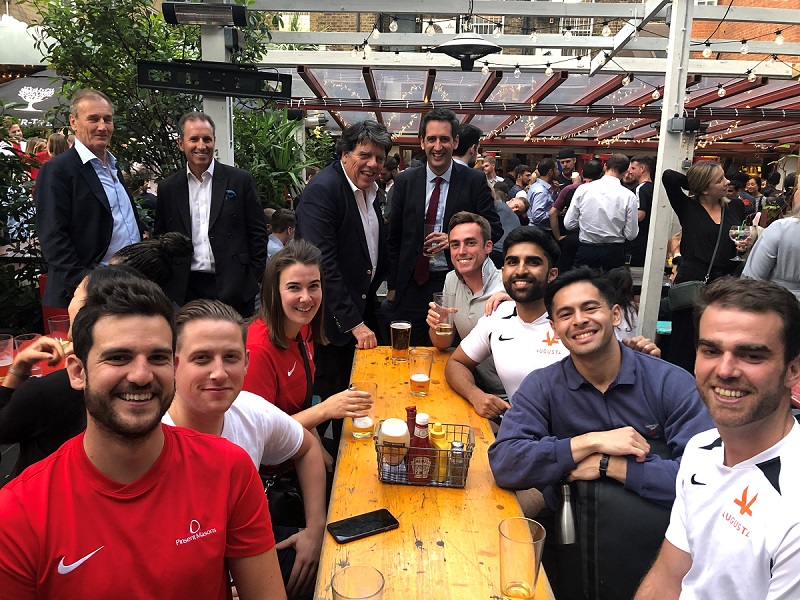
734, 532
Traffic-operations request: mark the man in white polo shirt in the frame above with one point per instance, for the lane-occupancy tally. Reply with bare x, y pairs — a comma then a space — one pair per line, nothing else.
734, 531
518, 334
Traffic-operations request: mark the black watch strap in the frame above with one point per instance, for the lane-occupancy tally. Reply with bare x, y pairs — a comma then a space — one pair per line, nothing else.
604, 466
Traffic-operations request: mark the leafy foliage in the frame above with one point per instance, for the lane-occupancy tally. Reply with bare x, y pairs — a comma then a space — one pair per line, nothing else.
19, 296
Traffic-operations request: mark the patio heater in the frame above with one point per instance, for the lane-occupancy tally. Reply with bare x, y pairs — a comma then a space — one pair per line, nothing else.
467, 47
197, 13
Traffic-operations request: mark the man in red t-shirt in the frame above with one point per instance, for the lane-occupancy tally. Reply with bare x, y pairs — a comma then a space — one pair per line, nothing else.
132, 508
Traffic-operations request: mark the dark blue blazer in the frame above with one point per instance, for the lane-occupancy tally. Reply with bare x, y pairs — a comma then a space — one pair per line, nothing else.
328, 217
73, 222
468, 191
237, 231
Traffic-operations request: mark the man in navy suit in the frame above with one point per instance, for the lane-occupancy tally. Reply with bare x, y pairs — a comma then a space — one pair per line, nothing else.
84, 213
217, 206
339, 213
430, 195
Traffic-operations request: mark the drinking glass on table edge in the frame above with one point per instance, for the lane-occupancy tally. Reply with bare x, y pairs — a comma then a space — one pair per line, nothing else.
23, 341
521, 545
357, 583
444, 302
364, 426
739, 233
6, 354
401, 340
420, 361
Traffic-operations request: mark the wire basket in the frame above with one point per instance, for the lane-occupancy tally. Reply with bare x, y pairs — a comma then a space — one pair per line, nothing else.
448, 468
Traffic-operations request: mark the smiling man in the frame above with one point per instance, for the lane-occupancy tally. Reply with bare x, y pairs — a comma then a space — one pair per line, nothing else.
133, 508
517, 335
605, 413
340, 214
430, 195
218, 207
734, 531
84, 213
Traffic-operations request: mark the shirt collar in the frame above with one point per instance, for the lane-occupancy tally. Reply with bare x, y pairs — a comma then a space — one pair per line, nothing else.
209, 170
487, 271
459, 161
625, 376
446, 175
87, 155
353, 187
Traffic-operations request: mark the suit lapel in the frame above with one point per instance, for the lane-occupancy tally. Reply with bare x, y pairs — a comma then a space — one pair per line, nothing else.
182, 201
419, 191
351, 206
93, 181
218, 186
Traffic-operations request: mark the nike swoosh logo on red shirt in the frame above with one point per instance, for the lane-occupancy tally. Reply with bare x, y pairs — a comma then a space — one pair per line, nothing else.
64, 569
294, 366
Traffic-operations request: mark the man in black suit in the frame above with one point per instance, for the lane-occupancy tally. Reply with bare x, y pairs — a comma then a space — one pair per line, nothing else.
217, 206
430, 195
84, 213
339, 213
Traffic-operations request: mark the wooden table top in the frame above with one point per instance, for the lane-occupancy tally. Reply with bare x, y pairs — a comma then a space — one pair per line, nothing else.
447, 545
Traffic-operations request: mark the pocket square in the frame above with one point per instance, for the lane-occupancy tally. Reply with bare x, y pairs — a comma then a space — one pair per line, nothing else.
230, 194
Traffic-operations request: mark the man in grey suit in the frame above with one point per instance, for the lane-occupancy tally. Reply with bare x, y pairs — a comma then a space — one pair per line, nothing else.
84, 213
217, 206
430, 195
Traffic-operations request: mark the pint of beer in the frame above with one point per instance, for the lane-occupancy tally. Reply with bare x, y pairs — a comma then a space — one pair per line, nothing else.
444, 303
401, 338
420, 361
6, 354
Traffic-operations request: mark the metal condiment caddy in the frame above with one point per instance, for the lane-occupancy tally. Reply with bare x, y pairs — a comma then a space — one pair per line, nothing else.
391, 469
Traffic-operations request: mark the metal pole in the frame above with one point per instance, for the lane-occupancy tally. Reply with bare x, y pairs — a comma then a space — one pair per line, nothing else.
674, 150
212, 43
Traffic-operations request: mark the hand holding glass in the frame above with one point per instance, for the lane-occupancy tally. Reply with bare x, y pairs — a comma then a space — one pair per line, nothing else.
427, 247
364, 426
444, 302
739, 234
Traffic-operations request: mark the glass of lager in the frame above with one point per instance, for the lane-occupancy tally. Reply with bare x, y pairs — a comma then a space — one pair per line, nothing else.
364, 426
401, 338
420, 361
521, 545
6, 354
444, 302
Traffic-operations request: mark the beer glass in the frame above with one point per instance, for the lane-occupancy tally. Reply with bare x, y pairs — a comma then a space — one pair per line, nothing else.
401, 338
521, 545
364, 426
59, 330
23, 341
357, 583
444, 302
420, 361
6, 354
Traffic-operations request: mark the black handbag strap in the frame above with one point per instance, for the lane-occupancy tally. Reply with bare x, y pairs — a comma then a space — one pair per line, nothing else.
309, 381
716, 246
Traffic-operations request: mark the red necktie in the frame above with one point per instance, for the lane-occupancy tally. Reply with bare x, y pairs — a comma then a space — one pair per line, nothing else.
422, 268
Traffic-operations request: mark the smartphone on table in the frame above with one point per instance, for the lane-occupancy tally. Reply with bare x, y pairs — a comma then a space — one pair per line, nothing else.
361, 526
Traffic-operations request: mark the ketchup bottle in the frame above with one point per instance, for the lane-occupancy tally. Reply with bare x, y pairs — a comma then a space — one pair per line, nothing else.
420, 454
411, 419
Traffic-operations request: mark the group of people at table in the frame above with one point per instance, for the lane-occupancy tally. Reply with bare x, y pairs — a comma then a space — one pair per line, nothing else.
132, 498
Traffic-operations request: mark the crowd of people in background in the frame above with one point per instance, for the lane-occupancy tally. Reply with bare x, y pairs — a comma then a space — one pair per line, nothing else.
250, 318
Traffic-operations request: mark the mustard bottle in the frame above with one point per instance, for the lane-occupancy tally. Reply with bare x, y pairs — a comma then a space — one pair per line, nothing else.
442, 446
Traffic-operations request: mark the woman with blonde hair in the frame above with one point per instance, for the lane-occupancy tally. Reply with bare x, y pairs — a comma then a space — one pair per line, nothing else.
703, 213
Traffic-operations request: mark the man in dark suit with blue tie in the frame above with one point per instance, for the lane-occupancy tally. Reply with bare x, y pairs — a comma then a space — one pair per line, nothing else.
84, 213
339, 213
430, 195
218, 207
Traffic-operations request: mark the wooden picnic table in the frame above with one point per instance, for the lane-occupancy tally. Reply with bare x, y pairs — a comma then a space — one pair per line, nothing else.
447, 545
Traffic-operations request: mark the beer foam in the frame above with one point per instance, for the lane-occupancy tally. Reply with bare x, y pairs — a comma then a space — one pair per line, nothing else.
421, 377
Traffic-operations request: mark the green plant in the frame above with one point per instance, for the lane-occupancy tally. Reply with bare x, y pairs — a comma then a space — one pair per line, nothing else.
319, 147
19, 295
265, 143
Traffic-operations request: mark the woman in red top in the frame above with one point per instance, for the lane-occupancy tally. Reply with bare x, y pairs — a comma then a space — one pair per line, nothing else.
282, 336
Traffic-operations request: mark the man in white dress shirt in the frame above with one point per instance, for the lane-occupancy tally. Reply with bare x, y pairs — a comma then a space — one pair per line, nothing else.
607, 215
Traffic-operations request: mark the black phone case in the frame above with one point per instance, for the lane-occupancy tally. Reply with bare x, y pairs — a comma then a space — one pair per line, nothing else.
361, 526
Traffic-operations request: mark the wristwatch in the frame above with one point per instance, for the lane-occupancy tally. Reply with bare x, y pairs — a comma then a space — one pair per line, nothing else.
604, 466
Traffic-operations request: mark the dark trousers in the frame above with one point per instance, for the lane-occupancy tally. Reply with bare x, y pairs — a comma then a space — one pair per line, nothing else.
204, 286
413, 306
569, 248
600, 256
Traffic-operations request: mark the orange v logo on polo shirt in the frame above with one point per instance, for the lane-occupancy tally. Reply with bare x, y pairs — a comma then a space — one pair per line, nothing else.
743, 504
550, 339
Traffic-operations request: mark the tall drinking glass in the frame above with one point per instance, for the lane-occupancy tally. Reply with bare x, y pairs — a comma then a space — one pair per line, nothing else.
357, 583
23, 341
6, 354
364, 426
401, 339
521, 545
